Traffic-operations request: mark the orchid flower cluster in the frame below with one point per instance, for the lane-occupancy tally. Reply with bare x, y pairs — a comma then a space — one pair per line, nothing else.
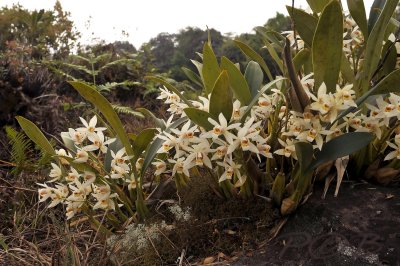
219, 148
78, 186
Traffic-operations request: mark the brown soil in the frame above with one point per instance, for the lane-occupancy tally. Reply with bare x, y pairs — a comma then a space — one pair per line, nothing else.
359, 227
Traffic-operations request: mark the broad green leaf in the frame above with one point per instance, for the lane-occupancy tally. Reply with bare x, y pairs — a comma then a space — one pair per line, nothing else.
264, 89
375, 11
196, 79
341, 146
327, 46
247, 50
391, 83
210, 69
389, 52
170, 87
156, 144
79, 166
100, 102
274, 55
142, 140
221, 100
304, 152
115, 147
270, 35
278, 188
254, 77
199, 117
305, 24
159, 122
68, 142
199, 67
34, 133
346, 70
301, 58
237, 81
317, 5
374, 45
357, 12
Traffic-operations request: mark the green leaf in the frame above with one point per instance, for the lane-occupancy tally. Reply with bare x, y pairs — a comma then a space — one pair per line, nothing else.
34, 133
270, 35
317, 5
196, 79
100, 102
301, 58
221, 97
346, 69
357, 12
210, 70
170, 87
275, 56
305, 153
389, 52
237, 81
391, 83
68, 142
341, 146
264, 89
304, 22
327, 46
255, 56
278, 188
374, 45
374, 13
159, 122
143, 140
254, 77
199, 117
156, 144
115, 147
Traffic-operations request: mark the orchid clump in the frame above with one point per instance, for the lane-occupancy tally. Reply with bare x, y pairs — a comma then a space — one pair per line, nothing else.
79, 180
245, 134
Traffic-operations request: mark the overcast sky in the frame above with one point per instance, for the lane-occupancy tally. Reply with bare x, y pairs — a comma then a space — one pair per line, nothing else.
144, 19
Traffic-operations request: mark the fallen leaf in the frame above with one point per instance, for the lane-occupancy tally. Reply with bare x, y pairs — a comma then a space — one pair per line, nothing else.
389, 196
209, 260
341, 165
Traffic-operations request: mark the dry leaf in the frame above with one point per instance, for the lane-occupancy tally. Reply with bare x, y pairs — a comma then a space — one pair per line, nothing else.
389, 196
288, 206
386, 175
341, 165
209, 260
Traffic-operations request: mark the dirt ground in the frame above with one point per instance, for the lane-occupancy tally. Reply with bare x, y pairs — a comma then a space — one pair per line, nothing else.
359, 227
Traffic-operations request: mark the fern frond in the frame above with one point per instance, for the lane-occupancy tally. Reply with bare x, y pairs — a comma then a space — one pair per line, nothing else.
118, 62
105, 56
126, 110
110, 85
74, 56
21, 147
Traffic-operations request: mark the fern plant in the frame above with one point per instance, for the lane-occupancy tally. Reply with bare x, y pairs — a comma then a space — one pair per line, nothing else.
93, 66
21, 149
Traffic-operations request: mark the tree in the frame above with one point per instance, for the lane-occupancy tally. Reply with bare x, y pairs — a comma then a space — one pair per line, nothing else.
279, 23
42, 31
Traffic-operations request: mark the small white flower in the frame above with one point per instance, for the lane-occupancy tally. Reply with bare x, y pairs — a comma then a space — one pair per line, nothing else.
81, 156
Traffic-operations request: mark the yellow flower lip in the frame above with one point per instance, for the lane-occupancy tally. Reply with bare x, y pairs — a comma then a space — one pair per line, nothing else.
217, 130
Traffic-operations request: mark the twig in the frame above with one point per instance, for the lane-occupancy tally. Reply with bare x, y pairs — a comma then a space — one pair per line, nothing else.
19, 188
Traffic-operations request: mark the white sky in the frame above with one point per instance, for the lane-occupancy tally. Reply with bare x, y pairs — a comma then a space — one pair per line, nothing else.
144, 19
